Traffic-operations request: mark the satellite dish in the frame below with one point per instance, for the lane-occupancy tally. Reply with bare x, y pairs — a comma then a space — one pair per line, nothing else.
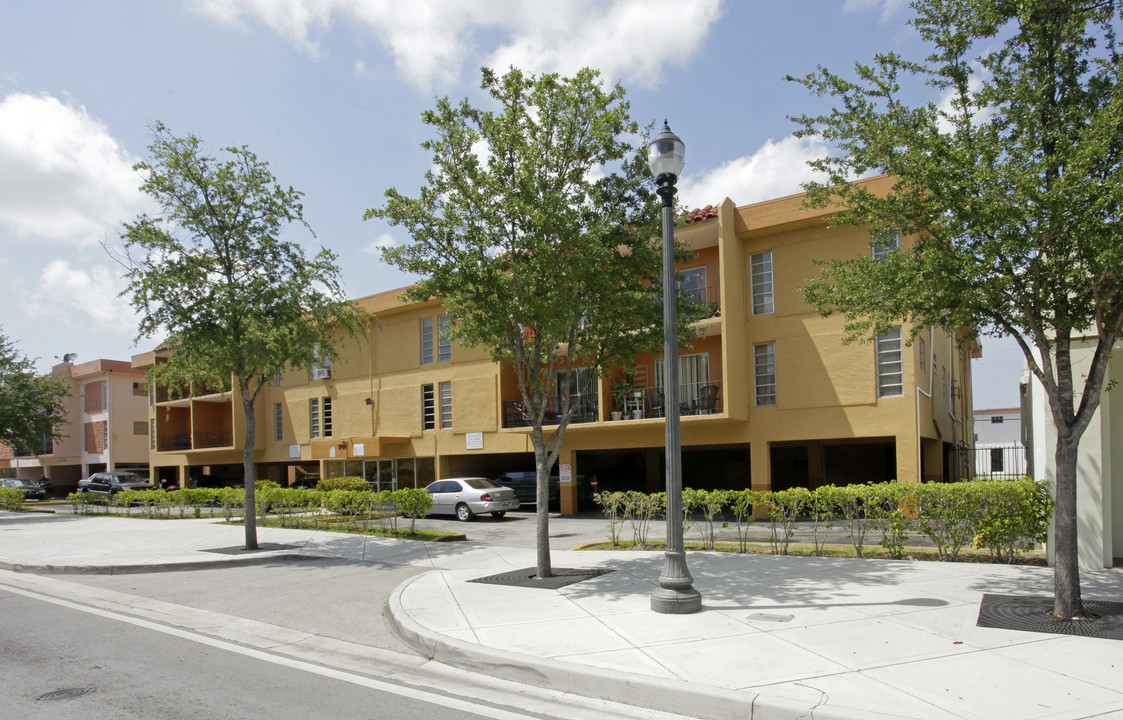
69, 357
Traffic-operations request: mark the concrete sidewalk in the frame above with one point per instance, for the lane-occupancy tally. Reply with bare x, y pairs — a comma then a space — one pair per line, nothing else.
778, 636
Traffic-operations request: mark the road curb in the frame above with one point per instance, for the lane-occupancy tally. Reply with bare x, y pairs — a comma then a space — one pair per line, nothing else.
668, 695
50, 569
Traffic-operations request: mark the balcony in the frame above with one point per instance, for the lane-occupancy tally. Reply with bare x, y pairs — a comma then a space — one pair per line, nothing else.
214, 438
709, 297
699, 398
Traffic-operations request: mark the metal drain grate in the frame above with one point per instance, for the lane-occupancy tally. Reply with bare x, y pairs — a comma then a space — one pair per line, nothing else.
1031, 614
525, 578
65, 694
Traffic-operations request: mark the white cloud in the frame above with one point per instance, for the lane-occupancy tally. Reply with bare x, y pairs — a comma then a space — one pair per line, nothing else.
62, 175
432, 41
775, 170
378, 244
83, 297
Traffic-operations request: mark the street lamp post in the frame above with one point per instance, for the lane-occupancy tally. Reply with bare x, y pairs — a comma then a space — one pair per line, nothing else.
676, 593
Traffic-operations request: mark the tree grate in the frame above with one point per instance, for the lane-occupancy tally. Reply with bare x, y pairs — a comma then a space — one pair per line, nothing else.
1032, 614
526, 578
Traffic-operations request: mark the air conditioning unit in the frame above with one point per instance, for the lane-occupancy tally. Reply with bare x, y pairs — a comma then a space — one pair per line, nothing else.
321, 373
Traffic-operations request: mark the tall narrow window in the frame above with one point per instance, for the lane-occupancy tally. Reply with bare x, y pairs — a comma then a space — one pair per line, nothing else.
426, 341
890, 377
325, 405
761, 278
314, 417
321, 367
428, 407
692, 282
883, 242
446, 404
764, 368
278, 422
444, 343
276, 379
152, 433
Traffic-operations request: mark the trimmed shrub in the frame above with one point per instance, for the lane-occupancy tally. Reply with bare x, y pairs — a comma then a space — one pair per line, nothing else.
708, 503
412, 503
784, 507
612, 504
742, 503
12, 499
1016, 516
347, 482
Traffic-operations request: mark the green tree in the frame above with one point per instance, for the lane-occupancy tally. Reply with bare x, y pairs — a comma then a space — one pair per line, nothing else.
538, 229
233, 299
31, 410
1010, 179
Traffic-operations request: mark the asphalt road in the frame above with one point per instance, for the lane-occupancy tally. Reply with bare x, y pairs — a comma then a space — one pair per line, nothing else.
131, 670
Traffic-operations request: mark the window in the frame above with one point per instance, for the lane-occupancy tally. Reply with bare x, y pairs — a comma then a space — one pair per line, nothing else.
325, 406
426, 341
883, 242
139, 390
152, 433
276, 379
761, 278
321, 370
444, 343
278, 422
923, 368
446, 404
692, 282
996, 460
996, 420
693, 374
764, 366
140, 427
890, 377
314, 417
428, 415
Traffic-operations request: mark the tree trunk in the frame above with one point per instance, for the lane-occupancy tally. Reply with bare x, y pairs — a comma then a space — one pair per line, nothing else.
250, 510
543, 567
1067, 603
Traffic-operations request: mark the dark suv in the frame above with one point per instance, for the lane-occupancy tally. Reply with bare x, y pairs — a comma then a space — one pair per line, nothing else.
525, 485
111, 483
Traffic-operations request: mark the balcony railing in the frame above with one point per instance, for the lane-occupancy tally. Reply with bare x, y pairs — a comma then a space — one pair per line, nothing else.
710, 299
584, 411
698, 398
217, 437
166, 442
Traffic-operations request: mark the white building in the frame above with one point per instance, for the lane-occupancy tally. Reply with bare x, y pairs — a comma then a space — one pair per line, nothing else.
1099, 469
999, 447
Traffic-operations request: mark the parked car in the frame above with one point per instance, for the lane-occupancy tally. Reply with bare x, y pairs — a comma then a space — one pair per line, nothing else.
305, 483
468, 497
30, 490
525, 485
111, 483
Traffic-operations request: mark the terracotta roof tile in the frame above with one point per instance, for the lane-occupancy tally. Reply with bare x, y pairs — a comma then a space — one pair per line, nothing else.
700, 214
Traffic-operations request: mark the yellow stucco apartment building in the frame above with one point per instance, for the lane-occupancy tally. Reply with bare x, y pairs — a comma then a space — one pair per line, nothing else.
772, 396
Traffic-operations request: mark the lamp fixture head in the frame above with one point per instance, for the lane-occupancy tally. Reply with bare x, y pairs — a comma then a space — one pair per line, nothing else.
666, 153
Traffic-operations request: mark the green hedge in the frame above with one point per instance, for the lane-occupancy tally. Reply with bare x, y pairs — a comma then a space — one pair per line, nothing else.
12, 499
1001, 516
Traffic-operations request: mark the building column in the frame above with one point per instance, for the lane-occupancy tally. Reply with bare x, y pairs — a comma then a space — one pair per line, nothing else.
568, 489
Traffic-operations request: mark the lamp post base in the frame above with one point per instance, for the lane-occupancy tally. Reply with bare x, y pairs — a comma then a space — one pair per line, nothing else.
676, 594
676, 602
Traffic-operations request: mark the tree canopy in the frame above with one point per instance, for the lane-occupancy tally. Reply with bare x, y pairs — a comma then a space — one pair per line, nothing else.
538, 229
214, 277
31, 410
1009, 178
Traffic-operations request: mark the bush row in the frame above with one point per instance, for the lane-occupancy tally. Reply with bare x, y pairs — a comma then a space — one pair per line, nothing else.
12, 499
1001, 516
385, 506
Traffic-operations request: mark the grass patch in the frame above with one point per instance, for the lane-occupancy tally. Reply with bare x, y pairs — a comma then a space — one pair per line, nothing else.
873, 552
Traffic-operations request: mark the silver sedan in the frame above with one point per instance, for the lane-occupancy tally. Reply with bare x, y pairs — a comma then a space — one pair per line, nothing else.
471, 496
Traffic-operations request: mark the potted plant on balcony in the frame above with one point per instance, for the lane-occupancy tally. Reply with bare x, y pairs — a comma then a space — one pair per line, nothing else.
621, 392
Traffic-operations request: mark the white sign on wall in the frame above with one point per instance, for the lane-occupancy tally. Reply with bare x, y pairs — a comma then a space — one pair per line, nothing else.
474, 441
566, 471
358, 449
294, 451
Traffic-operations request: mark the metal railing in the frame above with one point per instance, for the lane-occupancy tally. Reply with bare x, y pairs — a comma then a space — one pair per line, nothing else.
1000, 462
697, 398
585, 409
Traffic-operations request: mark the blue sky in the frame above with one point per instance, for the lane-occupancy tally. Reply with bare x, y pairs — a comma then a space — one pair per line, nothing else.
330, 92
